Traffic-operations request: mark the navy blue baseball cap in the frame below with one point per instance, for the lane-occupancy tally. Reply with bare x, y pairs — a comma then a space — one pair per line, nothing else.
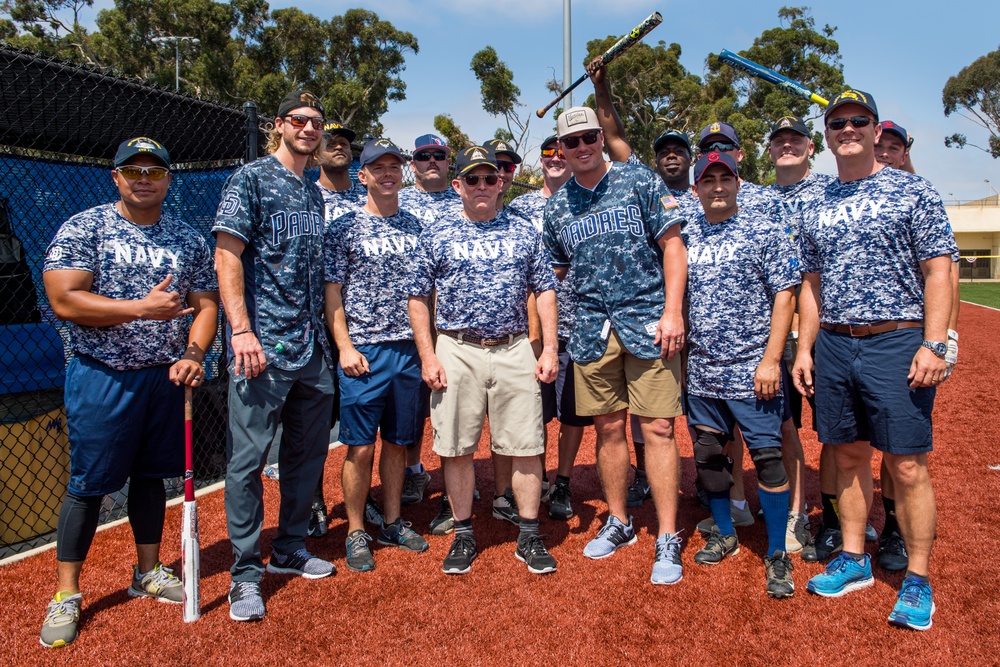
376, 148
430, 142
858, 97
501, 147
793, 123
672, 135
707, 160
898, 130
472, 157
336, 128
141, 146
717, 129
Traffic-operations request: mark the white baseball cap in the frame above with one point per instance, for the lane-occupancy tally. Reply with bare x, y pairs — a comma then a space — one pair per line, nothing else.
577, 119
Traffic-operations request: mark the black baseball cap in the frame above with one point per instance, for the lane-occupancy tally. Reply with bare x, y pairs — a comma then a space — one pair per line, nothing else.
672, 135
501, 147
707, 160
472, 157
376, 148
129, 148
549, 141
858, 97
298, 99
337, 128
793, 123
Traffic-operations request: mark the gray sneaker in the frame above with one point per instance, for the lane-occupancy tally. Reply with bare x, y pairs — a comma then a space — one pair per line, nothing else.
359, 554
414, 486
245, 601
159, 583
778, 569
373, 515
505, 509
797, 533
399, 534
301, 563
717, 548
444, 522
667, 569
613, 535
61, 618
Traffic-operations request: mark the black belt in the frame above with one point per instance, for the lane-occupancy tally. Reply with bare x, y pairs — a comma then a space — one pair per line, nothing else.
858, 330
463, 337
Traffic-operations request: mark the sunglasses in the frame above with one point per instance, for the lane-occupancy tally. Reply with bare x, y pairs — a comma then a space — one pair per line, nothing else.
504, 165
589, 138
473, 179
718, 147
552, 152
427, 157
133, 173
300, 121
855, 121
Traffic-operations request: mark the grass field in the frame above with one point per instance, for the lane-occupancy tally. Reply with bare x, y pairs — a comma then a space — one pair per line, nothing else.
986, 294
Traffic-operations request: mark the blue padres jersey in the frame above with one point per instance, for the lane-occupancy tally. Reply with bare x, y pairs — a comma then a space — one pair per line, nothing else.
482, 272
370, 256
866, 239
427, 206
127, 261
608, 236
280, 218
735, 268
338, 202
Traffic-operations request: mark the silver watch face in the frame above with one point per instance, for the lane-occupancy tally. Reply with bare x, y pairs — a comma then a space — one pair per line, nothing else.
938, 348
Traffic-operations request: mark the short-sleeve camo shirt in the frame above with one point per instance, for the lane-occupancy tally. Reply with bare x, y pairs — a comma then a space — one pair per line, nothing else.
866, 239
735, 268
280, 217
127, 261
338, 202
689, 204
796, 198
482, 271
427, 206
609, 237
370, 256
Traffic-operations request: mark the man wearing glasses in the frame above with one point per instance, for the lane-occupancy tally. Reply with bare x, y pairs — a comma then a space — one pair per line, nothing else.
125, 276
876, 297
618, 228
482, 263
269, 258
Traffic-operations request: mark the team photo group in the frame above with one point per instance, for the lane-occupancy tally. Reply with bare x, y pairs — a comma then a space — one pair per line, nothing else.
618, 296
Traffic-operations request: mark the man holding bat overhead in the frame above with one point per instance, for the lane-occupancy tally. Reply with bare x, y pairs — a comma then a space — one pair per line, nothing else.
125, 276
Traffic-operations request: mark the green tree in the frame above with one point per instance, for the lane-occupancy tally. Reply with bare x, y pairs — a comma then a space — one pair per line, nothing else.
49, 27
457, 139
500, 96
974, 93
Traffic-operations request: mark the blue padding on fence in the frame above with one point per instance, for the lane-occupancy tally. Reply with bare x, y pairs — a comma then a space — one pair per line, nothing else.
31, 358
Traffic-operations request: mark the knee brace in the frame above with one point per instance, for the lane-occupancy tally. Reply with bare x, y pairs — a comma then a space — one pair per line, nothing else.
714, 468
770, 469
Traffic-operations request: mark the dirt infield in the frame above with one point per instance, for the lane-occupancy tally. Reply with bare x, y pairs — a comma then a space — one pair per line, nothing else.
589, 612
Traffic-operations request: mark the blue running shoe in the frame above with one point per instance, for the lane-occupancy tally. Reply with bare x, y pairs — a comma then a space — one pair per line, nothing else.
914, 608
611, 537
667, 566
843, 575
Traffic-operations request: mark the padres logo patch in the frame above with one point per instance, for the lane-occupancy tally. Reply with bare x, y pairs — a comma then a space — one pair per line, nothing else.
669, 202
230, 205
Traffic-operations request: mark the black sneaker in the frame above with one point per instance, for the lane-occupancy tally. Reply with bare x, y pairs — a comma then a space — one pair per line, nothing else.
444, 522
505, 509
301, 563
717, 548
414, 486
532, 552
779, 575
638, 491
317, 521
560, 502
460, 555
891, 555
825, 543
373, 514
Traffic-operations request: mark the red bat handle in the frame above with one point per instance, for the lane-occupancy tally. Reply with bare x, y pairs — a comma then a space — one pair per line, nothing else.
188, 445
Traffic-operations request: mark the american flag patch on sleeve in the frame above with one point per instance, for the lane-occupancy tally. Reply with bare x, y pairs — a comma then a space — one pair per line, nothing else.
669, 202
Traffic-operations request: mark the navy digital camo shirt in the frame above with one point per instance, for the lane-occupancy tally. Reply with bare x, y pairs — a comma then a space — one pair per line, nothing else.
532, 204
689, 204
866, 239
338, 202
127, 261
482, 272
370, 256
735, 268
280, 218
427, 206
796, 198
759, 198
608, 236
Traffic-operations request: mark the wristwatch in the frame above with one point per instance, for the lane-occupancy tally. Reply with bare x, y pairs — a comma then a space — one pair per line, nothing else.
939, 349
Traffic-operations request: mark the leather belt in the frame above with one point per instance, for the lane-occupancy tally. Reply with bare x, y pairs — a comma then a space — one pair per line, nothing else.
858, 330
462, 337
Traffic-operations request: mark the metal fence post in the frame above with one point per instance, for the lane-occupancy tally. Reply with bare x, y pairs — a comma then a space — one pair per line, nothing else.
250, 109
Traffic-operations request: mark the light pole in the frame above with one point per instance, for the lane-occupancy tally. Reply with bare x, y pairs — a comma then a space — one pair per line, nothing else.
176, 41
567, 58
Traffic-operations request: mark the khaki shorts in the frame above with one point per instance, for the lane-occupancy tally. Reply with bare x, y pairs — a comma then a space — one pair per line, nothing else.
497, 382
619, 381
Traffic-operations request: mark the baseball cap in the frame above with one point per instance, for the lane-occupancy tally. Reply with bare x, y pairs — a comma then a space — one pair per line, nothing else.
793, 123
337, 128
549, 140
141, 146
298, 99
672, 135
577, 119
376, 148
472, 157
707, 160
852, 97
724, 130
898, 130
430, 141
499, 146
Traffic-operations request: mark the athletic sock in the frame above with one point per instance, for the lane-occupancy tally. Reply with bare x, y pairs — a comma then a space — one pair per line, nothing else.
775, 506
529, 528
830, 517
858, 558
414, 469
890, 516
739, 504
463, 527
923, 577
723, 517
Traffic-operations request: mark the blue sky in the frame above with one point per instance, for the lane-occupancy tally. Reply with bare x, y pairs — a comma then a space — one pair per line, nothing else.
901, 52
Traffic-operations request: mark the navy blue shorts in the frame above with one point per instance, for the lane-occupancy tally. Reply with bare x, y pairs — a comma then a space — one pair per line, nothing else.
862, 392
565, 390
388, 398
759, 421
121, 424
